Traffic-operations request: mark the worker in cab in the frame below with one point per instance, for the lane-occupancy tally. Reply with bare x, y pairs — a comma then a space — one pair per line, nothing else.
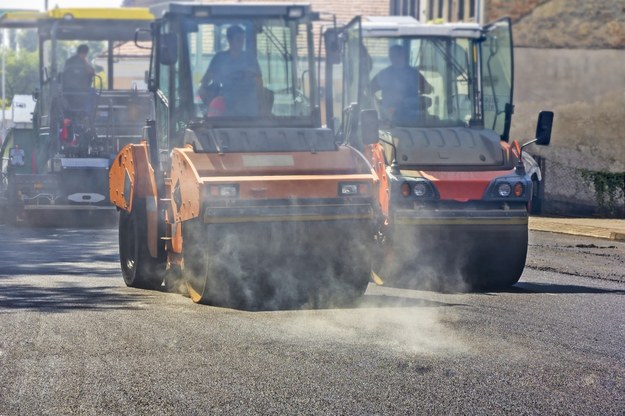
235, 75
399, 84
77, 78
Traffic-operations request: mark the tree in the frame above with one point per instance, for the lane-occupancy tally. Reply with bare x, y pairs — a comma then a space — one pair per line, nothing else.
28, 40
21, 73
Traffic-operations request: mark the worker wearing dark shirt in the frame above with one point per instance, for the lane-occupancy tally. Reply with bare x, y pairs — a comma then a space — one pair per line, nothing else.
77, 78
78, 73
236, 75
398, 82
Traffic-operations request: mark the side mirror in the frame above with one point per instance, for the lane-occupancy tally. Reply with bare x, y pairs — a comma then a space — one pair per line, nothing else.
142, 35
168, 49
369, 129
35, 94
543, 128
543, 137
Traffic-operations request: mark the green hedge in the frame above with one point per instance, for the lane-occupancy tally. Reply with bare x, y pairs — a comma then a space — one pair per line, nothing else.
609, 187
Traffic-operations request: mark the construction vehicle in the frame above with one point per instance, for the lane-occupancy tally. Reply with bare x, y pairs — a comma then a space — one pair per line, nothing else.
238, 196
56, 171
454, 191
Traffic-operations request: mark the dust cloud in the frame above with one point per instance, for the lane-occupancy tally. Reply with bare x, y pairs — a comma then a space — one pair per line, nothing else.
399, 323
277, 265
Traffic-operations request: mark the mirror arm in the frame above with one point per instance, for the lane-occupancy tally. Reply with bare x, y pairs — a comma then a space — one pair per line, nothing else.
519, 169
394, 165
528, 143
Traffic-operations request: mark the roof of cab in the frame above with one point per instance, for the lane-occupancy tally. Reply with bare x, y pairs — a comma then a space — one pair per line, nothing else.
82, 23
396, 26
31, 19
234, 10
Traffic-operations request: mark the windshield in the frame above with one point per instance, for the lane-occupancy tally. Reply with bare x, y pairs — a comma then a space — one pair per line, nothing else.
251, 69
127, 70
420, 81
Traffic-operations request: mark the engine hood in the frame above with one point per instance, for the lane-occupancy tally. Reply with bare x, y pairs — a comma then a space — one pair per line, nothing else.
448, 148
343, 160
260, 139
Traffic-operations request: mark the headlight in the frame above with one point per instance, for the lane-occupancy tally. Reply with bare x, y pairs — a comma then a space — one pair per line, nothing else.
228, 190
420, 189
411, 188
353, 188
224, 191
504, 189
349, 189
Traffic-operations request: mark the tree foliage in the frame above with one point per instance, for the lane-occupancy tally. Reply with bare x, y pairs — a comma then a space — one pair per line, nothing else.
22, 63
21, 73
609, 188
27, 39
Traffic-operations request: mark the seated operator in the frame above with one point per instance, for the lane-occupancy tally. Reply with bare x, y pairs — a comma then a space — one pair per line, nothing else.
235, 75
399, 83
77, 78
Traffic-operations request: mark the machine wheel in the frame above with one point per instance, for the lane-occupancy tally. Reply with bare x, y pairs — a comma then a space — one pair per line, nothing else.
139, 268
488, 273
173, 280
206, 275
349, 283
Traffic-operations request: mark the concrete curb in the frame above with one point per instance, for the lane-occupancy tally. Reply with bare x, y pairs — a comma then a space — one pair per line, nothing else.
617, 236
589, 227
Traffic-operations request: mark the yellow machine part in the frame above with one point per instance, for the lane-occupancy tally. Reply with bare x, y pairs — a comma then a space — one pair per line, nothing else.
27, 19
126, 13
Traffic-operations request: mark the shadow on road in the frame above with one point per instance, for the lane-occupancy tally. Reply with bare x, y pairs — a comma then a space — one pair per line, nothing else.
65, 298
532, 287
47, 251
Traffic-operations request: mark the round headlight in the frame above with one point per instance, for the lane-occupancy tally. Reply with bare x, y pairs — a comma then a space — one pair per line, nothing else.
420, 189
504, 189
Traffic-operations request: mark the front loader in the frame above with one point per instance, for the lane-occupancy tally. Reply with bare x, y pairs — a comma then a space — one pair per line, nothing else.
238, 196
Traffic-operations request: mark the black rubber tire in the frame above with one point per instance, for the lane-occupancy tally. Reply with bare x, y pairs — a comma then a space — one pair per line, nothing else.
139, 268
206, 274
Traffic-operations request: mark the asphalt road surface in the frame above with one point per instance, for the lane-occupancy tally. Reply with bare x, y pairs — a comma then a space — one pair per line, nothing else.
75, 340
